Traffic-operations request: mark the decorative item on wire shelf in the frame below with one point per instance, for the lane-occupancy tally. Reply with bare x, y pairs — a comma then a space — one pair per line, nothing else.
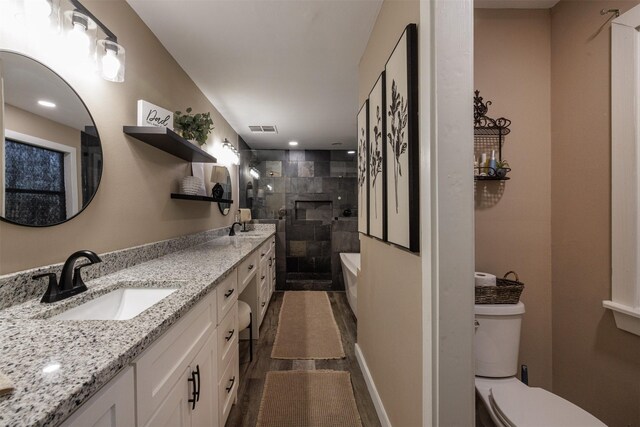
493, 290
191, 185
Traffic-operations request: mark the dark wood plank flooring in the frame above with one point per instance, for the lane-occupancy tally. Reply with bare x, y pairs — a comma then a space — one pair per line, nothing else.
252, 375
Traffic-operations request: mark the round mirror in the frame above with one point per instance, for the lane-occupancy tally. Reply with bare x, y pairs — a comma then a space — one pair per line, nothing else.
50, 152
222, 188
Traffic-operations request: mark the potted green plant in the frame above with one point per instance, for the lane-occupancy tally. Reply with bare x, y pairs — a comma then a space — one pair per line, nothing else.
196, 127
502, 168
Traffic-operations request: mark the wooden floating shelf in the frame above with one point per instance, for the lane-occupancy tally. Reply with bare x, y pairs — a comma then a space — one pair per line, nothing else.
199, 198
170, 142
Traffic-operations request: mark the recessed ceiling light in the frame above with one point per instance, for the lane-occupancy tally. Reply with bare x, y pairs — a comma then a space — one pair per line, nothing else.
293, 143
47, 104
351, 152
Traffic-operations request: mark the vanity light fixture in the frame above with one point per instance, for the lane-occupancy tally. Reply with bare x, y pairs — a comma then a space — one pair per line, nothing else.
254, 173
47, 104
38, 10
85, 37
293, 143
111, 60
230, 153
78, 34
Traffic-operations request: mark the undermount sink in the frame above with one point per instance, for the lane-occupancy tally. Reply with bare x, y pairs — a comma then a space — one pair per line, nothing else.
121, 304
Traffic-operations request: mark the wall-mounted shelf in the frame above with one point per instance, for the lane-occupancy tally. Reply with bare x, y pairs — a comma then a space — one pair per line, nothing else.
199, 198
489, 136
170, 142
490, 178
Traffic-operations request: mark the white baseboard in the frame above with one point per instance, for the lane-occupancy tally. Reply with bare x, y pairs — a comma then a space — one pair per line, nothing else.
373, 391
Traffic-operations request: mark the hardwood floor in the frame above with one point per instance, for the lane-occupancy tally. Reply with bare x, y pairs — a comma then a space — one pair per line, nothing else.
252, 375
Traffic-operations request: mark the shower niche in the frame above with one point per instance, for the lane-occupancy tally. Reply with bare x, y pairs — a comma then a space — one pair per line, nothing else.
321, 210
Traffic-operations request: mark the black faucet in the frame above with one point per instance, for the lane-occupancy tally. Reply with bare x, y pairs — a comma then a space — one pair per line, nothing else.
71, 282
232, 232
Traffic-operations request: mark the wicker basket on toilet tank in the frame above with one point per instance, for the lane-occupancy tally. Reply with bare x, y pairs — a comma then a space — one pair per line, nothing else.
506, 291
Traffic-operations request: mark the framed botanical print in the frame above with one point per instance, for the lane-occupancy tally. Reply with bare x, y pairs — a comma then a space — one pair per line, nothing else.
377, 140
363, 169
402, 146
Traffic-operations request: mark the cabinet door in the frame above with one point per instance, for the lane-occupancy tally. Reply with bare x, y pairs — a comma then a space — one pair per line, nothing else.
199, 382
162, 365
174, 409
113, 405
205, 413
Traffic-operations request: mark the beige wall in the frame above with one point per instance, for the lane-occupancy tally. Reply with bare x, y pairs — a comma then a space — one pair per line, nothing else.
22, 121
132, 205
595, 365
513, 218
389, 286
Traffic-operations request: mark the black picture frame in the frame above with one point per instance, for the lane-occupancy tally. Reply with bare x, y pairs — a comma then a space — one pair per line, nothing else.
377, 162
363, 167
407, 207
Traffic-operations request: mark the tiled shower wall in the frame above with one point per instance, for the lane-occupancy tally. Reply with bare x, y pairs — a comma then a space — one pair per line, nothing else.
309, 194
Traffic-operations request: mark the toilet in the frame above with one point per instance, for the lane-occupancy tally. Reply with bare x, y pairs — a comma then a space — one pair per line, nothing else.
503, 400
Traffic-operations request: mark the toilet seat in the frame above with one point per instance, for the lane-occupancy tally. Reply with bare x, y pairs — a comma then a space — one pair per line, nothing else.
514, 404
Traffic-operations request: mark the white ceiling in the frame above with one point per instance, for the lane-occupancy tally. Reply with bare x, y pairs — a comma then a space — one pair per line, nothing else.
515, 4
292, 64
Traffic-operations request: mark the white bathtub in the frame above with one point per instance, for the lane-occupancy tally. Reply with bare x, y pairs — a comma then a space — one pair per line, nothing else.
350, 265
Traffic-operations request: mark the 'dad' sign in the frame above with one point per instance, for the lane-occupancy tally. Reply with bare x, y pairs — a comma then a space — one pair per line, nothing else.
152, 115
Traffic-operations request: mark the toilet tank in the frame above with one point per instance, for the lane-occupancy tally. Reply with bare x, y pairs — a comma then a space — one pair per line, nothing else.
497, 339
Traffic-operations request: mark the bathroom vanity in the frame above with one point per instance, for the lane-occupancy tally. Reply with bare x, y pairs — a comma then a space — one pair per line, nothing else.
174, 364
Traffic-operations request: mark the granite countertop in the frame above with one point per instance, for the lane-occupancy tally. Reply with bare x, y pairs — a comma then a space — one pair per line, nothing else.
92, 352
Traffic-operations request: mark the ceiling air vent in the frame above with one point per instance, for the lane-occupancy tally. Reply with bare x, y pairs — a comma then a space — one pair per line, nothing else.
263, 129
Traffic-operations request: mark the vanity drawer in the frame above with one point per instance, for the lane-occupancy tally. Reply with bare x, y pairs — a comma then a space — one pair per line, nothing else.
264, 268
263, 251
264, 301
228, 337
247, 269
228, 389
227, 295
162, 365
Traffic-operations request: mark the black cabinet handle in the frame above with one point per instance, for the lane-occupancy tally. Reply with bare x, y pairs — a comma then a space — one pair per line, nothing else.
262, 255
231, 332
229, 292
199, 383
195, 387
262, 278
194, 391
264, 303
232, 380
270, 262
251, 267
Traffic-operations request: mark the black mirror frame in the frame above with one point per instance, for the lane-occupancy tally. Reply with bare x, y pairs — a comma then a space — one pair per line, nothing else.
97, 134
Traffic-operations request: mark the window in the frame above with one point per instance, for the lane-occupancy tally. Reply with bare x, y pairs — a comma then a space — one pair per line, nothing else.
34, 184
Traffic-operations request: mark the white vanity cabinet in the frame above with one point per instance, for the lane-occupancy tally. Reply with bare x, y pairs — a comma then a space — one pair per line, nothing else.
113, 405
178, 367
189, 376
